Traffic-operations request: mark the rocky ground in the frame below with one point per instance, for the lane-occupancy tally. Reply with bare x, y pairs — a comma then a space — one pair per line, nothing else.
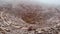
29, 19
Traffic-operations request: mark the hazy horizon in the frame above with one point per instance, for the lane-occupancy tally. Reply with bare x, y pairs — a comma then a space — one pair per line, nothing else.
45, 2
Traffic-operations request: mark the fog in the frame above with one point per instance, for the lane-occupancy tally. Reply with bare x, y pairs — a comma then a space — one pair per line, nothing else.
45, 2
56, 2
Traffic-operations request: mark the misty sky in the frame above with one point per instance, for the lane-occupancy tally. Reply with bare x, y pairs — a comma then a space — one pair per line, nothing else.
56, 2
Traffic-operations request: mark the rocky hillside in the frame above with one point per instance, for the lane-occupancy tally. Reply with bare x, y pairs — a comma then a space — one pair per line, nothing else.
24, 18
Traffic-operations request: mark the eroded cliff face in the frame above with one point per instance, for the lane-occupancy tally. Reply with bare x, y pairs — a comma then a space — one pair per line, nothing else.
25, 17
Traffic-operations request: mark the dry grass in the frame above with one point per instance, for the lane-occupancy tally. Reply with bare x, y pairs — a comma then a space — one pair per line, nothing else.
28, 18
